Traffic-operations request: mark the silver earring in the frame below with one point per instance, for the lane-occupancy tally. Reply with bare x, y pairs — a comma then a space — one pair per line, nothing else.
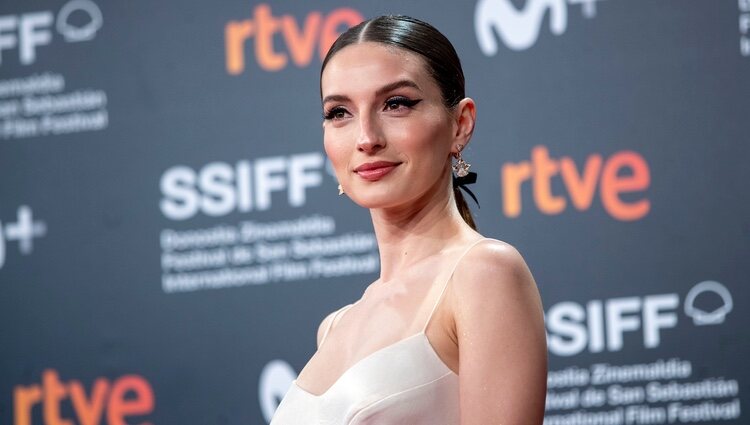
341, 190
461, 167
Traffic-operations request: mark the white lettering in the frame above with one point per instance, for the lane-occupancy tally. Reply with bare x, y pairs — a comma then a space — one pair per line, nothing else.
569, 335
571, 329
596, 326
216, 183
181, 199
219, 189
266, 182
654, 318
302, 176
31, 35
618, 323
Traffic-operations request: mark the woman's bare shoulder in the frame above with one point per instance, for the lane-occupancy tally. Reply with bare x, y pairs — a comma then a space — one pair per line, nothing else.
489, 257
492, 272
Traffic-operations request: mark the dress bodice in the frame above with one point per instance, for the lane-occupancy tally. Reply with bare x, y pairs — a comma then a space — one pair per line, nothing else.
403, 383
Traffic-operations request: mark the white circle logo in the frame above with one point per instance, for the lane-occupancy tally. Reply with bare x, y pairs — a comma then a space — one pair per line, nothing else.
715, 317
73, 33
275, 380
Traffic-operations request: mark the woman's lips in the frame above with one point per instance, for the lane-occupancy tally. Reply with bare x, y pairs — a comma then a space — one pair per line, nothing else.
373, 171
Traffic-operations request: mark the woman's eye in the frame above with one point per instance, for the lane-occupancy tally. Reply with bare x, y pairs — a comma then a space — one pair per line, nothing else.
337, 113
396, 103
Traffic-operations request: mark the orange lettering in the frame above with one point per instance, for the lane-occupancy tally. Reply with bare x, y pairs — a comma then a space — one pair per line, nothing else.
54, 391
544, 169
236, 33
301, 46
266, 26
332, 26
89, 412
612, 185
581, 189
299, 40
513, 175
141, 403
580, 185
24, 399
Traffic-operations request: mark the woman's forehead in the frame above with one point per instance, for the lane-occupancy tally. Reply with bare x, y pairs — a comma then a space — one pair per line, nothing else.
367, 66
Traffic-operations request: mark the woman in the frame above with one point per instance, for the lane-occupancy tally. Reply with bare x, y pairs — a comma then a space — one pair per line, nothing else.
452, 332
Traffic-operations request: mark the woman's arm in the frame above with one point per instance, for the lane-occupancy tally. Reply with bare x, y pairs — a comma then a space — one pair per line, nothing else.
501, 339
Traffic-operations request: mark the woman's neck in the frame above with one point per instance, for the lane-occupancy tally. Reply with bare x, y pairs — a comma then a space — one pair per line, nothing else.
412, 233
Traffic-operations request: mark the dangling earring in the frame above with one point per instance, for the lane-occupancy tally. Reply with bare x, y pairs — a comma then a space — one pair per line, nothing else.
341, 190
461, 167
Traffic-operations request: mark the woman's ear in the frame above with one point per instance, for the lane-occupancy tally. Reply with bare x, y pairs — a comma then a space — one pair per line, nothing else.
466, 116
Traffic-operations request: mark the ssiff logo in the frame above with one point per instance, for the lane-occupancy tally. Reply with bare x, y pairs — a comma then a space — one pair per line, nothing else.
220, 188
519, 29
28, 31
299, 40
601, 325
124, 397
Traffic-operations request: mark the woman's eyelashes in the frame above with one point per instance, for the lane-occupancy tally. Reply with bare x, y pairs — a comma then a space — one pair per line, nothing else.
393, 104
335, 113
399, 102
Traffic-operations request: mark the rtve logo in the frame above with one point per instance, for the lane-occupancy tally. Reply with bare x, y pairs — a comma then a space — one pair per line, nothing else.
299, 40
623, 172
519, 29
128, 395
77, 20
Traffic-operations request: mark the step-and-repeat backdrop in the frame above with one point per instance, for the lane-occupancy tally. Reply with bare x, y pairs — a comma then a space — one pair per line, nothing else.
171, 234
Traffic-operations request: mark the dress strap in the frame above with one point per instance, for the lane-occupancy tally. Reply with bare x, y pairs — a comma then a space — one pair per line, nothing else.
333, 319
445, 284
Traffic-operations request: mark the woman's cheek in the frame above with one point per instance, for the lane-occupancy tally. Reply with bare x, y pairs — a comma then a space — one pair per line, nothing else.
336, 153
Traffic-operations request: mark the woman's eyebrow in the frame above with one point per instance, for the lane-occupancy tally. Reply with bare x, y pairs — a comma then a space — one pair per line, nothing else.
396, 85
335, 98
385, 89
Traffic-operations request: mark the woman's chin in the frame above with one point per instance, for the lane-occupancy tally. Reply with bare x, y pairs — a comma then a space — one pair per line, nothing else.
376, 199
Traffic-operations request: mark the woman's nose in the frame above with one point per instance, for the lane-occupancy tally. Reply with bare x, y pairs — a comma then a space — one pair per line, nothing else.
370, 135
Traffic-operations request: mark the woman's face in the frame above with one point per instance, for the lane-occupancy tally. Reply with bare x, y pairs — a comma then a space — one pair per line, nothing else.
386, 130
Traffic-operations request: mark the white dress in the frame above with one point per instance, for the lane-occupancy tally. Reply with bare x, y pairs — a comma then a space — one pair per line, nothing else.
403, 383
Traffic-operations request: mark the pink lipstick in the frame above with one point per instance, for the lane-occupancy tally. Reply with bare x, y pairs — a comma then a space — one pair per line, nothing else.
373, 171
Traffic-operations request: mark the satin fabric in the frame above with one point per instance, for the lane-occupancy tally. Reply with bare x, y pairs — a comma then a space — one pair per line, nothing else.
403, 383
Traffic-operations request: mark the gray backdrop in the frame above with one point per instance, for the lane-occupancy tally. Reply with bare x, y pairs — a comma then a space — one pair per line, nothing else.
171, 236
